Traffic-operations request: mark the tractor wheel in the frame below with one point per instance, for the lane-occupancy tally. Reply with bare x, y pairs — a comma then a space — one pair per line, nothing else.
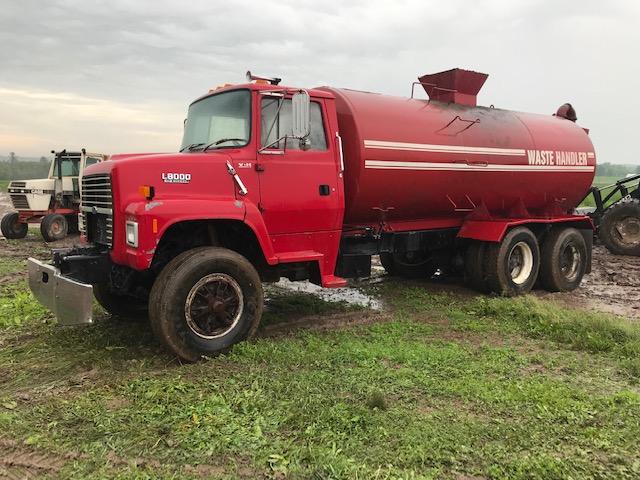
72, 221
12, 228
564, 260
408, 265
204, 301
620, 228
54, 227
121, 306
511, 266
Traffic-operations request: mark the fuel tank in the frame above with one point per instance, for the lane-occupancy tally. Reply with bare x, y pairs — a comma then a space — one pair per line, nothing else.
409, 159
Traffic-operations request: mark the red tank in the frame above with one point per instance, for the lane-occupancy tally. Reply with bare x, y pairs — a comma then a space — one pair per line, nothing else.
446, 157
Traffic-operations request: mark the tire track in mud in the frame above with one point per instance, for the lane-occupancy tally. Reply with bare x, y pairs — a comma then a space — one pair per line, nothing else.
17, 462
613, 286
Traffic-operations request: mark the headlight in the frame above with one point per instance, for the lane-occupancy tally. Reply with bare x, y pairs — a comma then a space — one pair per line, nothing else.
132, 233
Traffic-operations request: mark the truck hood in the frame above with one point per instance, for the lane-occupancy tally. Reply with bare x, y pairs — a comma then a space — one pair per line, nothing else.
172, 175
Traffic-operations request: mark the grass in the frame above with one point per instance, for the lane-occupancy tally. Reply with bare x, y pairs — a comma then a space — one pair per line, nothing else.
3, 185
450, 387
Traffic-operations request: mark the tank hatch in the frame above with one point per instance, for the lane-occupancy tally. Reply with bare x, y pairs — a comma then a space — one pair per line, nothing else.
455, 85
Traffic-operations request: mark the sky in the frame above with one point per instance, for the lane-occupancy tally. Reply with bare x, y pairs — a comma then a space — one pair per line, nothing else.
117, 76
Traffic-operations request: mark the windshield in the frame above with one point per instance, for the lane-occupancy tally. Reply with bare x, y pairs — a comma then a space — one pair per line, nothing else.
223, 120
70, 167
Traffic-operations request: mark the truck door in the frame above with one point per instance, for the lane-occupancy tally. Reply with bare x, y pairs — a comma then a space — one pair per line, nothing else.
298, 187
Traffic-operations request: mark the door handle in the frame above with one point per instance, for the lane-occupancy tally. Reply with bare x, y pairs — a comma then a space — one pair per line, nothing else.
324, 190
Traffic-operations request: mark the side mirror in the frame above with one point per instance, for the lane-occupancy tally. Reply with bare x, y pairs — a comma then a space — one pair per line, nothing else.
300, 121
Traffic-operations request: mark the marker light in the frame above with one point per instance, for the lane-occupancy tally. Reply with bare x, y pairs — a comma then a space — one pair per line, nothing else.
147, 191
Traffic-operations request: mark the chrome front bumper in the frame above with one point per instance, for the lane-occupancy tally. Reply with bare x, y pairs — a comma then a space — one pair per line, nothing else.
71, 301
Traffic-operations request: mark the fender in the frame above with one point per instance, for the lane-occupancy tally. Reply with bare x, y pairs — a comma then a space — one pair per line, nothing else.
155, 217
495, 229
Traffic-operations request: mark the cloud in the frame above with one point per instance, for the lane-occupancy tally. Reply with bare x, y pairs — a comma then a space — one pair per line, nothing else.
154, 57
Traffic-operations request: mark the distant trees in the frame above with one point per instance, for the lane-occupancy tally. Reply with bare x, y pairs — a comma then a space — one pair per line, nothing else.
614, 170
15, 169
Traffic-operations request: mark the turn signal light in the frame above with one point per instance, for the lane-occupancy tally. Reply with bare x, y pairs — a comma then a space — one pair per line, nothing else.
147, 191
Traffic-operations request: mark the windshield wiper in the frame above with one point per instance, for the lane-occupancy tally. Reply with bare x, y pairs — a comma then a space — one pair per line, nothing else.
191, 146
222, 140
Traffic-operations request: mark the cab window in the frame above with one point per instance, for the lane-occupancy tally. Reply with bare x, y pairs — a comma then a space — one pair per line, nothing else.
91, 161
70, 167
273, 127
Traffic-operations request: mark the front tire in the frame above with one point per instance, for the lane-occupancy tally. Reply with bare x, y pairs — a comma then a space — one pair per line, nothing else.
511, 266
204, 301
620, 228
12, 228
564, 260
122, 306
54, 227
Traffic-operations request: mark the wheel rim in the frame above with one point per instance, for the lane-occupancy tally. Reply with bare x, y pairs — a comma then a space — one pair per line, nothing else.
214, 306
570, 260
628, 231
520, 263
16, 227
56, 228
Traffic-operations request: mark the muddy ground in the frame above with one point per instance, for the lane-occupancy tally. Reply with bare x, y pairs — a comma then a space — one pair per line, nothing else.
613, 286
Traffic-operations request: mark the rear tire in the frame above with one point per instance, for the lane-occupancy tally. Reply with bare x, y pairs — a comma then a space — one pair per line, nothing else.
12, 228
54, 227
122, 306
511, 266
474, 266
204, 301
402, 265
564, 260
620, 228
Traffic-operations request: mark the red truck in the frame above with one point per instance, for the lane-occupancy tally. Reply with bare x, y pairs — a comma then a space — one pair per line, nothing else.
273, 181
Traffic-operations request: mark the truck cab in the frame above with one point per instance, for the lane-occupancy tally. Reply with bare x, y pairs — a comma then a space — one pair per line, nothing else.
257, 182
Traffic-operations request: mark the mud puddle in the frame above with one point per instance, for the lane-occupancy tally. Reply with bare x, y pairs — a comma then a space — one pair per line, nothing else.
349, 295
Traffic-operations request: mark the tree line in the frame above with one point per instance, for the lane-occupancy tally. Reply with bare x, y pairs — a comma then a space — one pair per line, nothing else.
615, 170
15, 169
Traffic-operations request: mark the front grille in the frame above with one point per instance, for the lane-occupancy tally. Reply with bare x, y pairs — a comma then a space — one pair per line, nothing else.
97, 208
20, 202
17, 184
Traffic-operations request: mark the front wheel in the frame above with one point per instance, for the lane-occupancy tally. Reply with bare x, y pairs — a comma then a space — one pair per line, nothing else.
204, 301
121, 306
12, 228
54, 227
